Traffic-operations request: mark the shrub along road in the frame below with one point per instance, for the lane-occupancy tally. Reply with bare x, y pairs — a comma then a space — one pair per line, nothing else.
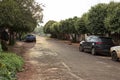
51, 59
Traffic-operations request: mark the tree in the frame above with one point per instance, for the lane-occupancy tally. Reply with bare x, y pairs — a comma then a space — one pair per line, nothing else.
33, 7
72, 31
9, 12
96, 17
20, 16
55, 31
81, 24
55, 28
47, 26
112, 21
64, 29
64, 26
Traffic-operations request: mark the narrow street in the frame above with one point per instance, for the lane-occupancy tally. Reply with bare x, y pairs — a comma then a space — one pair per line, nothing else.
57, 60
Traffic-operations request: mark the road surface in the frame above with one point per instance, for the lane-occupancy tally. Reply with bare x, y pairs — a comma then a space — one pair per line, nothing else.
57, 60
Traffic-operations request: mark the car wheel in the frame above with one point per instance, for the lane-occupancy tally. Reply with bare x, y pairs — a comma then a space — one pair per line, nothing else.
114, 56
81, 49
93, 51
34, 40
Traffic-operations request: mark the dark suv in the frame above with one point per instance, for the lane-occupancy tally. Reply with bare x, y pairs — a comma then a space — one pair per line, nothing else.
30, 38
96, 44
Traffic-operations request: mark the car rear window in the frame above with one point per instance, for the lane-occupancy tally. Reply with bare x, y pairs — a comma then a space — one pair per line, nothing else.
106, 40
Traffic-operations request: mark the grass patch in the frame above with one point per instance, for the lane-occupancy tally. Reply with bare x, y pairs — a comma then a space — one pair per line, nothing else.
10, 64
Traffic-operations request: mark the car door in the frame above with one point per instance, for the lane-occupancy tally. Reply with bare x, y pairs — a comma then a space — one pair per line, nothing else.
87, 44
90, 42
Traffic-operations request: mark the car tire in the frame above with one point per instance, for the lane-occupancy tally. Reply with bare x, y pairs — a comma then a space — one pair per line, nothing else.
81, 49
93, 51
34, 40
114, 56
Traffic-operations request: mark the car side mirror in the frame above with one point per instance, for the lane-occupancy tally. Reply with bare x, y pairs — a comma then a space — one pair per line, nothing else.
82, 41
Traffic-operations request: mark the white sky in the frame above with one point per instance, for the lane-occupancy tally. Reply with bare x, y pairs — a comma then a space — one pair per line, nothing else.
63, 9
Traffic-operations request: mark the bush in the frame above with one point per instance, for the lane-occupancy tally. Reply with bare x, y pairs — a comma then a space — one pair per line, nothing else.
10, 63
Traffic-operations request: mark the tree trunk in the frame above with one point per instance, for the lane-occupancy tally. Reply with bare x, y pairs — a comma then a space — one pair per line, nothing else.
11, 40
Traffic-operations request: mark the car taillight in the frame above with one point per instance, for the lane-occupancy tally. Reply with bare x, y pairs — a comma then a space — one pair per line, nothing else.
99, 43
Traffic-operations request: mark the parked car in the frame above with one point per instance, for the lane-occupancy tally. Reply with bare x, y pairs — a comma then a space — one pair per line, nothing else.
115, 53
30, 38
96, 44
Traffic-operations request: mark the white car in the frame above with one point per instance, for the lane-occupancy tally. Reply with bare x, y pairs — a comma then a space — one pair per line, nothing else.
115, 53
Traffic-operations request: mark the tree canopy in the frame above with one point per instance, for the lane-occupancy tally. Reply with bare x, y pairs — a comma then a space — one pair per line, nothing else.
96, 18
101, 19
20, 15
81, 24
112, 21
47, 26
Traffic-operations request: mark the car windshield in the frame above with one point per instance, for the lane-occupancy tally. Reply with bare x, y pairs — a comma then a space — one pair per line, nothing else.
29, 35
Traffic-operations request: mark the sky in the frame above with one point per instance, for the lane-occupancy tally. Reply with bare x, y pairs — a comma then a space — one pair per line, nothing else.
63, 9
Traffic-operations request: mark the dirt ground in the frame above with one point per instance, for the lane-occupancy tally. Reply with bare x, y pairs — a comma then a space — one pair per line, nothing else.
40, 63
20, 49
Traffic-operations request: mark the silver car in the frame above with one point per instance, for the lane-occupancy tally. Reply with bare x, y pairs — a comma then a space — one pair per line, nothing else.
115, 53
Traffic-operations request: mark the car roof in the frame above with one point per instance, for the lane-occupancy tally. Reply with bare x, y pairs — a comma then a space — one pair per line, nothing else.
99, 36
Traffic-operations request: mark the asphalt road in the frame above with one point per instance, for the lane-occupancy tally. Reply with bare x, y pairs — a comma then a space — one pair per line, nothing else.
82, 65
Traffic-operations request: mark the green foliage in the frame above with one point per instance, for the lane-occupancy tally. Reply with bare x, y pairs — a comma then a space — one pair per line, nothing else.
96, 18
67, 26
64, 26
81, 24
20, 15
32, 7
112, 21
47, 26
71, 25
55, 28
8, 11
101, 19
10, 63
